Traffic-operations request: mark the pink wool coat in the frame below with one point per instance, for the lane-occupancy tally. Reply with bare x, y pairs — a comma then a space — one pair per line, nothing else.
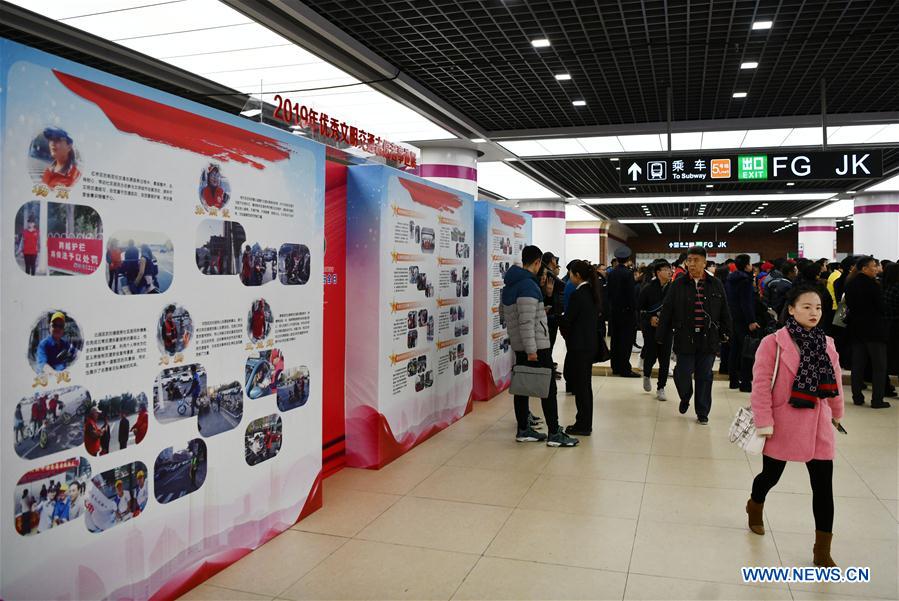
799, 434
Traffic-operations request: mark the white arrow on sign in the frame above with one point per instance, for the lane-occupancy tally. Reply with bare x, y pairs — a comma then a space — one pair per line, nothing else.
634, 170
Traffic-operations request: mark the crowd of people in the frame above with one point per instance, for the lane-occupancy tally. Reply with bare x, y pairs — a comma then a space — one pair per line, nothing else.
56, 503
782, 331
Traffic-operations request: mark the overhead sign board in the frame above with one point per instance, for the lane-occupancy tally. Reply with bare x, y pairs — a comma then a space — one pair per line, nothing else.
752, 167
685, 244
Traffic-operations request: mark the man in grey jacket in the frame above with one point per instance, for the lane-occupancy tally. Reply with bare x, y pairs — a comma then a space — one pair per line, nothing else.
522, 309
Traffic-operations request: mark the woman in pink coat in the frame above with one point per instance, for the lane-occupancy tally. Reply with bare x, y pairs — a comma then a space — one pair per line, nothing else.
796, 410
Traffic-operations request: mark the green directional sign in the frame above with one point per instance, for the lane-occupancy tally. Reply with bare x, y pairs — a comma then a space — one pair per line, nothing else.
752, 167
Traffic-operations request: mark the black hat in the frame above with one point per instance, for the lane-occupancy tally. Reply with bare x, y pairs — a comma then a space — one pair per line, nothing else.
622, 253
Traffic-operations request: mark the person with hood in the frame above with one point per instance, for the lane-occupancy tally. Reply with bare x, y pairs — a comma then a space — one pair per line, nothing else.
521, 308
741, 303
777, 286
695, 310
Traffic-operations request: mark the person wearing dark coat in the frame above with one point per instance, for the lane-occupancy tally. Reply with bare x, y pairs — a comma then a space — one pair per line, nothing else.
649, 305
581, 322
622, 314
695, 311
741, 303
868, 332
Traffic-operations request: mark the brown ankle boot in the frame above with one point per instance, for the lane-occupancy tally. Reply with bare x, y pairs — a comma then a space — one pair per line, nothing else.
821, 550
756, 523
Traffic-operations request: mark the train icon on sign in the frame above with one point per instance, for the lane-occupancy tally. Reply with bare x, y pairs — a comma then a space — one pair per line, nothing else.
656, 170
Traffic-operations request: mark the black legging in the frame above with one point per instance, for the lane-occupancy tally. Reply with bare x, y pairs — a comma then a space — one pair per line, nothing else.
820, 473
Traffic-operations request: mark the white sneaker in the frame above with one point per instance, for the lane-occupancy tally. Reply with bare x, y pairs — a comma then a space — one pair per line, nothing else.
647, 383
660, 394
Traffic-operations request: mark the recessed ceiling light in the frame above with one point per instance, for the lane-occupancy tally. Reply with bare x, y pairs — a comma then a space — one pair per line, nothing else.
631, 188
509, 160
563, 76
540, 43
850, 191
478, 140
739, 94
579, 103
762, 24
710, 185
791, 183
613, 159
749, 65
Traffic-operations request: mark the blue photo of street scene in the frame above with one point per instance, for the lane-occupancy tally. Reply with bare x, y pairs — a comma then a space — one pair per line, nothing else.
293, 391
293, 260
115, 496
221, 410
179, 472
51, 496
262, 440
47, 422
139, 262
178, 391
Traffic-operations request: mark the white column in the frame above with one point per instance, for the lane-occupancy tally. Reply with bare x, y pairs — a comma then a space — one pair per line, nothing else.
548, 225
451, 166
876, 225
818, 239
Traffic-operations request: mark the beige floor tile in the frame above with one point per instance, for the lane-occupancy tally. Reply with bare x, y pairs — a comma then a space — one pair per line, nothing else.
206, 592
608, 438
397, 478
370, 570
469, 427
695, 505
587, 496
694, 471
277, 564
508, 579
437, 450
881, 480
437, 524
599, 464
874, 435
856, 517
878, 555
344, 512
473, 485
846, 480
506, 455
703, 442
565, 539
892, 506
699, 552
651, 588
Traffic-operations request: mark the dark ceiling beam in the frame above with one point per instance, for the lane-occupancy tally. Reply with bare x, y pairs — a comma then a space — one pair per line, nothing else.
694, 126
59, 34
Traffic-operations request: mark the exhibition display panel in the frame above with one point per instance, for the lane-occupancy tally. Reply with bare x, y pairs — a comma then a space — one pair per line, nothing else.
500, 234
150, 441
409, 360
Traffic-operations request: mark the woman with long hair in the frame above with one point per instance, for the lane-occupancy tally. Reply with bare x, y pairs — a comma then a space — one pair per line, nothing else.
581, 319
796, 396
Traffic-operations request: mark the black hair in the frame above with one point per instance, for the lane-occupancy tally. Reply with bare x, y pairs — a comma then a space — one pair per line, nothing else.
529, 254
586, 272
696, 250
863, 262
728, 261
742, 261
548, 258
795, 292
890, 274
787, 268
847, 262
660, 264
833, 266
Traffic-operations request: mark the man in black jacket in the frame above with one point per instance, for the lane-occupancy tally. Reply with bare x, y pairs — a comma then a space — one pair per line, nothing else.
649, 305
868, 331
741, 303
622, 314
696, 310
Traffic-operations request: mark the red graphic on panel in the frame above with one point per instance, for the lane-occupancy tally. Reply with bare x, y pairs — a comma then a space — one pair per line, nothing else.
431, 197
175, 127
75, 255
511, 219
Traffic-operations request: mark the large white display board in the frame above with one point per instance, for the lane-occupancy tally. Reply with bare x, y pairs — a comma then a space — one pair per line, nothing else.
500, 234
409, 311
161, 309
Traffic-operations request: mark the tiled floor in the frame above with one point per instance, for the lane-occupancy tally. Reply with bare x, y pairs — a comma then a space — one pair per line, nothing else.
649, 507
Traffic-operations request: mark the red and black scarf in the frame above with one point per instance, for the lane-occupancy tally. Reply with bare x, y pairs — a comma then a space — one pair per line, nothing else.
815, 377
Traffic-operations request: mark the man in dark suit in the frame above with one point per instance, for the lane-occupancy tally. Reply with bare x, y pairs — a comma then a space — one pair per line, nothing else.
622, 314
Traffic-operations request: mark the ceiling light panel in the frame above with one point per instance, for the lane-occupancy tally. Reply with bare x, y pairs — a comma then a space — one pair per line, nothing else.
686, 141
890, 133
853, 134
576, 213
641, 143
499, 178
601, 144
765, 138
723, 139
888, 185
563, 146
725, 198
838, 209
804, 136
526, 148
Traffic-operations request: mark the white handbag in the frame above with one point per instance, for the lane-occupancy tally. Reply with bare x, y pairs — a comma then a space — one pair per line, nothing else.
742, 430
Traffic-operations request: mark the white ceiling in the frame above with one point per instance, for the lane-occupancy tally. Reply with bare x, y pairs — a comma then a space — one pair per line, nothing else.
501, 179
214, 41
